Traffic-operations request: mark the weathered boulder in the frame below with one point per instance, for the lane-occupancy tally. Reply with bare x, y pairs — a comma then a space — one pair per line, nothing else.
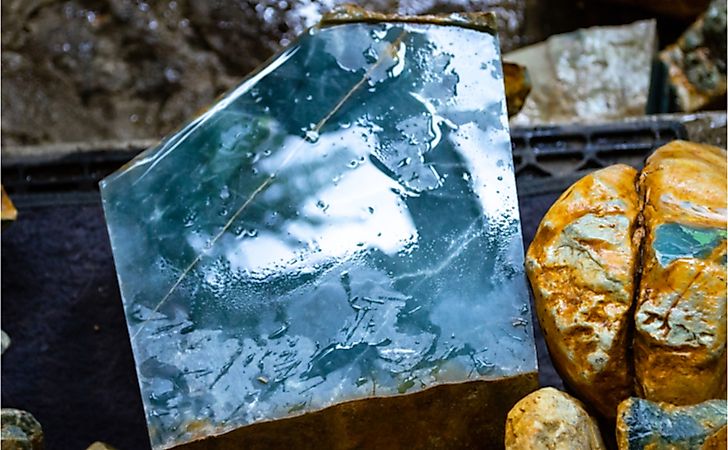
20, 430
680, 318
100, 446
659, 238
518, 86
581, 265
696, 63
8, 213
550, 419
642, 424
589, 75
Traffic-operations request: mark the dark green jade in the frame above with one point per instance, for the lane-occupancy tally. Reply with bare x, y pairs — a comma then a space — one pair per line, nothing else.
643, 424
341, 227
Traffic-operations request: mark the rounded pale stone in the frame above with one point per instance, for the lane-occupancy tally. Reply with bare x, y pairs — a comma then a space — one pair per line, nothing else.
4, 341
680, 317
642, 424
100, 446
581, 265
550, 419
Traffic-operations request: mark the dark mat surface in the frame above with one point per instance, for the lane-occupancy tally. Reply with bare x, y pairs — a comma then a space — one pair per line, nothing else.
70, 362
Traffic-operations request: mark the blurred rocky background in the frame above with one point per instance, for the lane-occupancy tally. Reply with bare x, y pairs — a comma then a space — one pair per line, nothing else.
90, 70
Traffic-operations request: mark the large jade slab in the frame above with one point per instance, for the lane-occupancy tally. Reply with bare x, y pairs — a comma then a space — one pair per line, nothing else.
338, 234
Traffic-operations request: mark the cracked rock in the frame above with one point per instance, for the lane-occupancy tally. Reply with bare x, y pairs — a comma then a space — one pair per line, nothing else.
584, 266
581, 265
680, 321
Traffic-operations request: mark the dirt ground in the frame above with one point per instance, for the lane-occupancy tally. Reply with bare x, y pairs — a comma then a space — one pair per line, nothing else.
90, 70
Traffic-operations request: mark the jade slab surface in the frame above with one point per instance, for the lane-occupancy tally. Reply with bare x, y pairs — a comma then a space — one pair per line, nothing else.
342, 225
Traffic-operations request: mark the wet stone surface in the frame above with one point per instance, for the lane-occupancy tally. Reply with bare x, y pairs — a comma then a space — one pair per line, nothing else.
308, 242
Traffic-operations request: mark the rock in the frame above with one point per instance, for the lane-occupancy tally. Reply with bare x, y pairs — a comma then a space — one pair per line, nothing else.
8, 213
348, 270
4, 342
518, 86
590, 75
19, 430
697, 62
100, 446
642, 424
581, 265
585, 257
549, 419
680, 318
708, 127
13, 438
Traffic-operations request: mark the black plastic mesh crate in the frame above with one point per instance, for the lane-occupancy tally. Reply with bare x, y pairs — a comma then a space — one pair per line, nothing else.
546, 159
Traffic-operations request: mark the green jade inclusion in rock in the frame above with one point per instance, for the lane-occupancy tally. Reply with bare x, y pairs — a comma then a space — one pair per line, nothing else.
649, 425
674, 241
343, 225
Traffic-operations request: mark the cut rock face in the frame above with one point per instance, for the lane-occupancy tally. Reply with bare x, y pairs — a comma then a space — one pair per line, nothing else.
642, 424
333, 248
583, 266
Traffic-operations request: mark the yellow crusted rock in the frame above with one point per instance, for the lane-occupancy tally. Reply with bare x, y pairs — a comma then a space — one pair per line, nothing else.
549, 419
8, 211
100, 446
680, 318
581, 265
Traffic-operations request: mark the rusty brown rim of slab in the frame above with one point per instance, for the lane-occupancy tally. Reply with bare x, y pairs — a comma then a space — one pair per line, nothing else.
495, 388
343, 14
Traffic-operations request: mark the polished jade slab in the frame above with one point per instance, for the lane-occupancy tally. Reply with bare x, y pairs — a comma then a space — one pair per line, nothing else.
343, 224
